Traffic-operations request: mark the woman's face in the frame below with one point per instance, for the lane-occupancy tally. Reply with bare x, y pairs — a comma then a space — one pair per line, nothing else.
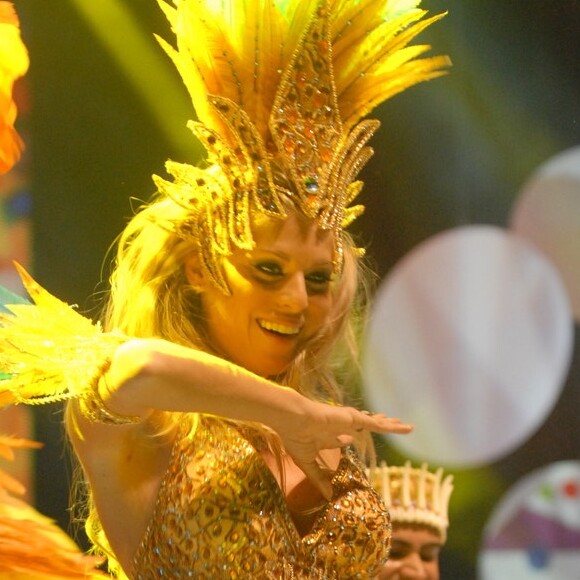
280, 296
414, 554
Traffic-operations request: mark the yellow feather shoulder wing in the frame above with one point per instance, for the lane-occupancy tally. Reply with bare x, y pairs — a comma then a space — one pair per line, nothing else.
48, 351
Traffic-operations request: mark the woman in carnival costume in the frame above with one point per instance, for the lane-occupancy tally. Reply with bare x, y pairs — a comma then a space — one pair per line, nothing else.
418, 503
206, 410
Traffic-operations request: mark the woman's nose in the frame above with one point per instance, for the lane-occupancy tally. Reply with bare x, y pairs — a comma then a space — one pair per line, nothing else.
293, 295
413, 567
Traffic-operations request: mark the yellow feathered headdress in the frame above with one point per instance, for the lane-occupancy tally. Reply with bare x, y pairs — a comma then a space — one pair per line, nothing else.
280, 88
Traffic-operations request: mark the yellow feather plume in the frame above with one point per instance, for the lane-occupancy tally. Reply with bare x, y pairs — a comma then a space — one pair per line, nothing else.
48, 351
235, 49
373, 60
238, 49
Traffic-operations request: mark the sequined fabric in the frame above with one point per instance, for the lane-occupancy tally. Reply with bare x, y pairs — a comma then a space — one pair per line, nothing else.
220, 514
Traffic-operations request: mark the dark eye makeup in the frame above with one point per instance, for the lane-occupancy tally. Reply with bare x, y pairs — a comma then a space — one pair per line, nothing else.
272, 269
319, 277
269, 268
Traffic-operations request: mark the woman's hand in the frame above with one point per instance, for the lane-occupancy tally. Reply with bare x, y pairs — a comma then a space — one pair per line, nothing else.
321, 427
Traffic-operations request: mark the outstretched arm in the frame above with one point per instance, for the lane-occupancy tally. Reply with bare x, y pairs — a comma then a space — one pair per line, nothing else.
150, 374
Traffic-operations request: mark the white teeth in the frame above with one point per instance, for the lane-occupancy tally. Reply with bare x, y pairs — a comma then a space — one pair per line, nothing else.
279, 328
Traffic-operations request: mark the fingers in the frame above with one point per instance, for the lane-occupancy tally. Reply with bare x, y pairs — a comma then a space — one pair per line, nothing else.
344, 440
378, 423
391, 425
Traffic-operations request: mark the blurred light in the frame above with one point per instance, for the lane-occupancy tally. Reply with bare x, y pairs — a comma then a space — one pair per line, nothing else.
146, 66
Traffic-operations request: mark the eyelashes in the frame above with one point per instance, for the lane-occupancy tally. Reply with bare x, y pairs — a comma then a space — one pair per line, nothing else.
269, 268
274, 272
321, 278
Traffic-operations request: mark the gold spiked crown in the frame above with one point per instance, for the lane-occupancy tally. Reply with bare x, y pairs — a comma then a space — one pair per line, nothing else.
280, 88
414, 495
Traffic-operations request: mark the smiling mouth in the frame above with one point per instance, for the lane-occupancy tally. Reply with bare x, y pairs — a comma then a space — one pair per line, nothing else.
283, 329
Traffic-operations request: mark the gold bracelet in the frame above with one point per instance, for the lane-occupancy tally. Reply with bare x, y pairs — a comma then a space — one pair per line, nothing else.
94, 408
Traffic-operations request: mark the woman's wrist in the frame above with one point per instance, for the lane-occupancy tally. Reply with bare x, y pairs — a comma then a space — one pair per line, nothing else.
289, 411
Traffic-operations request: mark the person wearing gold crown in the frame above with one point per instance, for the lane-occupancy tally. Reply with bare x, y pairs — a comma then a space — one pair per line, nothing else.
206, 409
418, 502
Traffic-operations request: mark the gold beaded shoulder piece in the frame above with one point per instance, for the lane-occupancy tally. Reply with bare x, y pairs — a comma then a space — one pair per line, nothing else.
280, 88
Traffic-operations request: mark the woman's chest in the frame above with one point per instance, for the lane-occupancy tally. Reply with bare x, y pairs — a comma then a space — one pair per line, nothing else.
220, 508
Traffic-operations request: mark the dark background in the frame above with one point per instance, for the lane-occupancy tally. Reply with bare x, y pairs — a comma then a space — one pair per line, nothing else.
450, 152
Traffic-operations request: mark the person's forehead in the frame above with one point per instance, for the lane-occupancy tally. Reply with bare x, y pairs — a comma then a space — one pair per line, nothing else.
416, 535
294, 228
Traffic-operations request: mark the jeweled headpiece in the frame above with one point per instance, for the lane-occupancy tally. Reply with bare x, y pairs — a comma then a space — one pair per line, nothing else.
280, 88
414, 495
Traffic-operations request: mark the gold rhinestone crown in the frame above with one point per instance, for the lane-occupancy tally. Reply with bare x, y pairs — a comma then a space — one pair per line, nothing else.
280, 88
414, 495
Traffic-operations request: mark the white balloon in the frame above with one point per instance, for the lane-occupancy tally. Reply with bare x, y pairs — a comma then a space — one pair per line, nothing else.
470, 339
534, 531
547, 213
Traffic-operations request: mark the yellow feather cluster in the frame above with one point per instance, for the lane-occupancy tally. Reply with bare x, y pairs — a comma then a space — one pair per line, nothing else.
13, 65
48, 351
372, 55
238, 49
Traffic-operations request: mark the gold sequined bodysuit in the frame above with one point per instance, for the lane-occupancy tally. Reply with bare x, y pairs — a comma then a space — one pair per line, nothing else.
220, 514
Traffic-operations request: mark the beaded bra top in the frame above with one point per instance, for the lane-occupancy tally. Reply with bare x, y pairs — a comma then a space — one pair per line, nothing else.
221, 514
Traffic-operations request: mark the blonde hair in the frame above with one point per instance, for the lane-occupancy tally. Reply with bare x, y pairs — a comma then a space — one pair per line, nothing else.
151, 297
